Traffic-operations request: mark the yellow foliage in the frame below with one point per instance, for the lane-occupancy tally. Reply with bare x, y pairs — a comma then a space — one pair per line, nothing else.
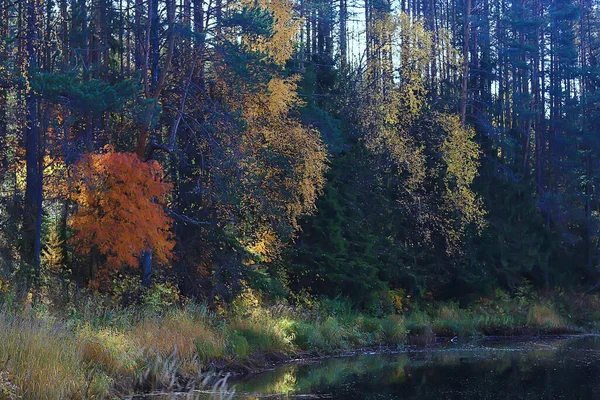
276, 165
289, 157
461, 155
395, 115
279, 46
52, 256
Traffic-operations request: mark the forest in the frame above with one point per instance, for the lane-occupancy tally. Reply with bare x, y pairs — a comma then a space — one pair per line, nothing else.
370, 158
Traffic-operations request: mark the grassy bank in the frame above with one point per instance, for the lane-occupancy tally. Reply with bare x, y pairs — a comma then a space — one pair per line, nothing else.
95, 351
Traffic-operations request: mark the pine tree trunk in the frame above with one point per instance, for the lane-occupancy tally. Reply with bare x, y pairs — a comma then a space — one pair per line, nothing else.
32, 223
465, 78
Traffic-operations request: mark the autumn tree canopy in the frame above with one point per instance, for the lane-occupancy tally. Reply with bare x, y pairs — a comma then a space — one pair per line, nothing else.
120, 210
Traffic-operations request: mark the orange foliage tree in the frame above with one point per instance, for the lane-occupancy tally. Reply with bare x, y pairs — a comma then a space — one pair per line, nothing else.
120, 210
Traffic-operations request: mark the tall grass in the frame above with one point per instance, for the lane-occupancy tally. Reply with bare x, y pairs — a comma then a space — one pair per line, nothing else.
45, 360
96, 351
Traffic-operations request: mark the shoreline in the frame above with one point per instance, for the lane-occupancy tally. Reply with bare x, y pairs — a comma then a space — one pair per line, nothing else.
106, 352
441, 344
440, 341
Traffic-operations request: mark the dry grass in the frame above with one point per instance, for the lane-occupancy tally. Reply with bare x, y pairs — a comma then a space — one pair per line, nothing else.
543, 316
40, 359
175, 332
44, 360
110, 350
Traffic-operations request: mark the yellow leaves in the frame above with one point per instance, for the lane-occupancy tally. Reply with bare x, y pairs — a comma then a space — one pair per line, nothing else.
282, 95
280, 46
461, 154
387, 126
52, 256
415, 46
263, 244
296, 179
390, 112
120, 208
403, 133
277, 164
276, 101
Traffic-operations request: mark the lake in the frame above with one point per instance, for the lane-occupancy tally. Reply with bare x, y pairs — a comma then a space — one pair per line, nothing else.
538, 368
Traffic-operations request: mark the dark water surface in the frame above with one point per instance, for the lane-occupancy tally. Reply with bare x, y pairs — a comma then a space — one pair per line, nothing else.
566, 368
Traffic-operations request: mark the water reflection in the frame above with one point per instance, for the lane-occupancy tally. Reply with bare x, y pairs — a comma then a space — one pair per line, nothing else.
541, 369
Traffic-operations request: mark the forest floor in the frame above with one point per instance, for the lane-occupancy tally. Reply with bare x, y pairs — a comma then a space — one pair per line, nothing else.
90, 350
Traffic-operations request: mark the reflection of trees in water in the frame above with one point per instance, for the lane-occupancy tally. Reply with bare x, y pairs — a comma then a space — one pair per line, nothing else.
534, 370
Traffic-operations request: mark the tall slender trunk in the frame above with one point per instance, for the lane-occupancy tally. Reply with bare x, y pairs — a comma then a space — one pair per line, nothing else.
465, 78
32, 221
343, 32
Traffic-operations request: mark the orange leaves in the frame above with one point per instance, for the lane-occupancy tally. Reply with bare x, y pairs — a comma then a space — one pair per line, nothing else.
120, 209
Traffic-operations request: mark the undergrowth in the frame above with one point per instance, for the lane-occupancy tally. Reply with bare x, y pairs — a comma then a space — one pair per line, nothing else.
97, 351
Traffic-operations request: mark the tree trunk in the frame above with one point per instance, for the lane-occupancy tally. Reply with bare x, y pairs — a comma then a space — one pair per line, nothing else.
465, 78
32, 223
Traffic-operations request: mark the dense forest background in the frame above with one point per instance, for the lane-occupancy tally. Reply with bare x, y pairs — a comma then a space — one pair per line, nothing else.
367, 150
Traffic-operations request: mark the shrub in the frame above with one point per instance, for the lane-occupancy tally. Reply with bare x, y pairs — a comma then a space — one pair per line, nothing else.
208, 349
418, 323
394, 331
160, 297
237, 345
8, 390
308, 337
333, 334
544, 316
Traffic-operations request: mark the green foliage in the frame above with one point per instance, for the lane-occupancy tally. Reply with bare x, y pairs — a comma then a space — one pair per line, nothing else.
93, 96
238, 346
322, 336
254, 340
160, 297
208, 350
341, 251
251, 21
394, 330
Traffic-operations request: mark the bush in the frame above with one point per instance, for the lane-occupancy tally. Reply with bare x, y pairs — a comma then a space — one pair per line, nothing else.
418, 323
543, 316
8, 390
394, 331
207, 350
160, 297
176, 331
237, 345
308, 337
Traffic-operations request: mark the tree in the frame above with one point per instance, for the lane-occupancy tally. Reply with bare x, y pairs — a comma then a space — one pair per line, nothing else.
120, 212
32, 226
